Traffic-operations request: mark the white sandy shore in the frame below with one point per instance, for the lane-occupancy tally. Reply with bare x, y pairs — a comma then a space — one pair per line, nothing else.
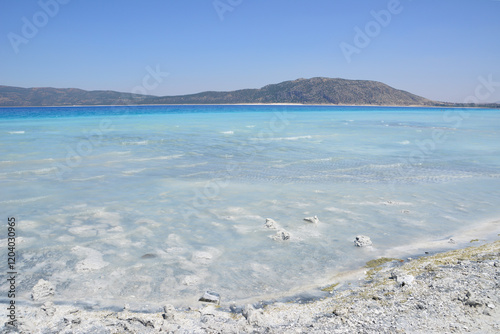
453, 292
482, 231
250, 104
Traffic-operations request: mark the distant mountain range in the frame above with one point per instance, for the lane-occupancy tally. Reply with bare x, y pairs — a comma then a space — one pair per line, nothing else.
304, 91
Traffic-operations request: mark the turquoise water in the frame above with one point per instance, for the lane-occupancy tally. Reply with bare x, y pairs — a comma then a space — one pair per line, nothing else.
147, 205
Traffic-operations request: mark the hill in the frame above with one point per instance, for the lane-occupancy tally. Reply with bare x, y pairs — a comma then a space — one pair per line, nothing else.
305, 91
24, 97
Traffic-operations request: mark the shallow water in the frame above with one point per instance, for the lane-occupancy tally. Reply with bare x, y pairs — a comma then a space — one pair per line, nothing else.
147, 205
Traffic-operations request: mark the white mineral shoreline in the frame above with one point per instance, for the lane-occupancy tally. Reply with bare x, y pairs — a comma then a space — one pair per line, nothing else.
482, 231
253, 104
455, 291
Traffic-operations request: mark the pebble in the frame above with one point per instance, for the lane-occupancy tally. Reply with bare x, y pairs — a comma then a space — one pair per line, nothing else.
210, 297
313, 220
148, 256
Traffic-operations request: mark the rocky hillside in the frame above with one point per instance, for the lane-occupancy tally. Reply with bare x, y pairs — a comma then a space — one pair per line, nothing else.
306, 91
24, 97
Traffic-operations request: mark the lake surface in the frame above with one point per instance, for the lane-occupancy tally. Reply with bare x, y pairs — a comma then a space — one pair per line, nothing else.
156, 204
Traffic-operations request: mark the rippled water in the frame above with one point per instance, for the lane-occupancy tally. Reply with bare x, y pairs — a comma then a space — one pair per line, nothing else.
145, 205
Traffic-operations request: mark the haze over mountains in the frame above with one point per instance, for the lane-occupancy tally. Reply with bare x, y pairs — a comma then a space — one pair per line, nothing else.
303, 91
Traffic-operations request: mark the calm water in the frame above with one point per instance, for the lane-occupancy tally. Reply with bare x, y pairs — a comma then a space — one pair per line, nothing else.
147, 205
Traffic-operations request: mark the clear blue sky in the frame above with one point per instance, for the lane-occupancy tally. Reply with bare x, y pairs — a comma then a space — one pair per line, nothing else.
433, 48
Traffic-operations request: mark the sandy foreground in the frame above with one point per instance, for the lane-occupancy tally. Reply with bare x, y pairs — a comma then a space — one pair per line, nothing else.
452, 292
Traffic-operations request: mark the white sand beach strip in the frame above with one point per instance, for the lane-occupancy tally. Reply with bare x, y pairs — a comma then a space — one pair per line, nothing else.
453, 292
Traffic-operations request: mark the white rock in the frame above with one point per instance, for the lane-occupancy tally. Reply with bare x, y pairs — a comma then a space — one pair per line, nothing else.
281, 235
252, 315
362, 241
42, 290
270, 223
401, 278
169, 312
314, 219
210, 297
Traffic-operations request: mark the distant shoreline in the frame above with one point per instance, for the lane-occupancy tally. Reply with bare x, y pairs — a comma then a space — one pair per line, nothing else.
314, 91
254, 104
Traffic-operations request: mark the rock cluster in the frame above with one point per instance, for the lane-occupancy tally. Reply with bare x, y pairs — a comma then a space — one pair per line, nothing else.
281, 233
